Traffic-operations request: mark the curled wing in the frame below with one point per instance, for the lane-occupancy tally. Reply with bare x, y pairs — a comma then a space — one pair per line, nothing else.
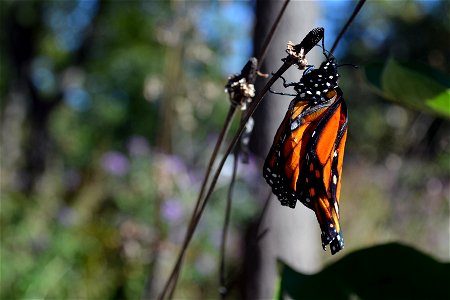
305, 161
324, 169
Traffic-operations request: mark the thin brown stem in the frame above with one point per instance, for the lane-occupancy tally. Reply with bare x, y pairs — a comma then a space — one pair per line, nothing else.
223, 290
271, 33
350, 20
240, 130
263, 214
173, 275
200, 205
223, 133
171, 283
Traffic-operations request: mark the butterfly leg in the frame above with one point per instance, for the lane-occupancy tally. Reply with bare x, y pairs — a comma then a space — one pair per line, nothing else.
284, 81
288, 84
280, 93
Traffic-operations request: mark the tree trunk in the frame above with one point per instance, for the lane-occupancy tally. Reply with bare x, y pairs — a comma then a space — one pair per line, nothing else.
293, 235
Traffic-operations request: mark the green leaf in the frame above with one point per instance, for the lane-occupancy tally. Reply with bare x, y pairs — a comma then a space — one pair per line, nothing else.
415, 86
440, 102
390, 271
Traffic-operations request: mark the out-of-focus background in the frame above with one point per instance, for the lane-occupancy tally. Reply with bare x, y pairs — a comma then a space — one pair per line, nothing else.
109, 112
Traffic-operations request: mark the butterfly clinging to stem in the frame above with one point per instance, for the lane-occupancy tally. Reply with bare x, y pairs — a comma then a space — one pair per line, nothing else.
305, 161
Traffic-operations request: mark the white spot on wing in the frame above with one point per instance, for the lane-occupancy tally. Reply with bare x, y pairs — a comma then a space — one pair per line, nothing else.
336, 207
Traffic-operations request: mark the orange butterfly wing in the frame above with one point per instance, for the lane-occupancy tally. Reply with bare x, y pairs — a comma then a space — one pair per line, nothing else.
325, 160
305, 161
286, 156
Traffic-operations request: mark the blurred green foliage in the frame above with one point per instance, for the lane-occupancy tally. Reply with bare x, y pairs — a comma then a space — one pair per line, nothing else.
413, 89
109, 111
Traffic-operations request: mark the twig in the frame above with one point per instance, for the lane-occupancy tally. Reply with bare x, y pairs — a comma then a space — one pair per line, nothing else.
262, 215
219, 142
292, 58
241, 91
251, 110
296, 54
240, 88
271, 33
289, 61
223, 290
223, 133
171, 283
350, 20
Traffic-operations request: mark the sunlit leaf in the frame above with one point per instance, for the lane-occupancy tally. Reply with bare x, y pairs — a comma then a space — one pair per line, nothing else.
417, 87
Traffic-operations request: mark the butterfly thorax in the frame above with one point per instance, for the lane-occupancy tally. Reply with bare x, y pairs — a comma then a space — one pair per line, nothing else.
316, 83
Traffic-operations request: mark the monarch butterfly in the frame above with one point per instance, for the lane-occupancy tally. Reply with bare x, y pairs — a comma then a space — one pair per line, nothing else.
305, 160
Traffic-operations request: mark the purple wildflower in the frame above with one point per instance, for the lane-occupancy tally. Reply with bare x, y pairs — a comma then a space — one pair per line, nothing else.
171, 210
115, 163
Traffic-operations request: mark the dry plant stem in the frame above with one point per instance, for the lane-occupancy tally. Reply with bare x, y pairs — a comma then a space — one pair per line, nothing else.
261, 217
271, 33
288, 62
223, 133
223, 289
171, 283
200, 206
350, 20
197, 213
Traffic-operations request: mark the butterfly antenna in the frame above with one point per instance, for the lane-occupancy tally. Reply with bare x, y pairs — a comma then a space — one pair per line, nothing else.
351, 65
325, 52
